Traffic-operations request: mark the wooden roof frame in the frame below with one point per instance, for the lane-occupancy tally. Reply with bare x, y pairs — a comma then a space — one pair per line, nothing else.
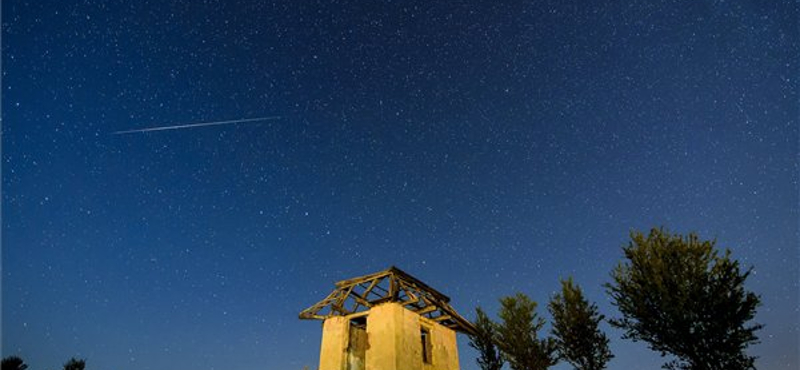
359, 294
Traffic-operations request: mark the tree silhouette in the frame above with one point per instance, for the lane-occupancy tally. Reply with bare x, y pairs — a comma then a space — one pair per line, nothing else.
517, 335
13, 363
683, 298
75, 364
576, 329
484, 342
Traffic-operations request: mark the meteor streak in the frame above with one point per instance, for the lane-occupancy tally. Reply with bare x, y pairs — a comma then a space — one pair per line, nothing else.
199, 124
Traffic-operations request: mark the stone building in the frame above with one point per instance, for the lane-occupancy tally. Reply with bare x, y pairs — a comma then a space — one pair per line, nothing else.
388, 320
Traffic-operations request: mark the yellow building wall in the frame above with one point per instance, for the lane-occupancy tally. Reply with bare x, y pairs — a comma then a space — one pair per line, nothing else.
333, 350
383, 337
444, 351
392, 342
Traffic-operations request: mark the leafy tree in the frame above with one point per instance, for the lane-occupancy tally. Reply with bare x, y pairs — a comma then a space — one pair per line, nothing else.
517, 335
484, 341
682, 297
75, 364
576, 329
13, 363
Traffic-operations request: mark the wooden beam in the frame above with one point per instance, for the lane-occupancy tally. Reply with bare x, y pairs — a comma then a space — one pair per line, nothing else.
361, 279
381, 288
410, 301
426, 309
372, 285
358, 298
343, 297
408, 291
393, 288
340, 309
414, 281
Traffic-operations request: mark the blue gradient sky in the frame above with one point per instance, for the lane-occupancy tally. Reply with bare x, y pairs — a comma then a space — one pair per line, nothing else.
484, 147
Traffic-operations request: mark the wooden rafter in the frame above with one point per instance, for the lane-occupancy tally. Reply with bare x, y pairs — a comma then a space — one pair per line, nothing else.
402, 288
442, 318
427, 309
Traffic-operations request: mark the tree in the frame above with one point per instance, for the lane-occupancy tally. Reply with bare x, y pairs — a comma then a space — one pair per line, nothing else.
684, 298
484, 341
13, 363
576, 329
517, 335
75, 364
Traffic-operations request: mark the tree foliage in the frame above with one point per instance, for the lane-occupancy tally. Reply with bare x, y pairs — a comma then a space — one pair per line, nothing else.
484, 342
576, 329
75, 364
13, 363
517, 335
684, 298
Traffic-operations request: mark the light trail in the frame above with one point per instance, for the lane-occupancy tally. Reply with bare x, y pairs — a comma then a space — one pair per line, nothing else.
198, 124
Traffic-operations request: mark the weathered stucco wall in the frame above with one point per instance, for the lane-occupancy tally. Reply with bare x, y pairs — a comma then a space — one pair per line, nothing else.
383, 334
392, 341
333, 350
444, 351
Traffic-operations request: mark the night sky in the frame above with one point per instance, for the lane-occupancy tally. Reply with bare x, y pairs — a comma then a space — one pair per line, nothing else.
485, 147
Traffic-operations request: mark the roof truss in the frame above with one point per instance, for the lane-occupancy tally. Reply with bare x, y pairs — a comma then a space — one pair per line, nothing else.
391, 285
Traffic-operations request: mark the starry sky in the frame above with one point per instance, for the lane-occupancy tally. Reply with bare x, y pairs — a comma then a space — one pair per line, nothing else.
485, 147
